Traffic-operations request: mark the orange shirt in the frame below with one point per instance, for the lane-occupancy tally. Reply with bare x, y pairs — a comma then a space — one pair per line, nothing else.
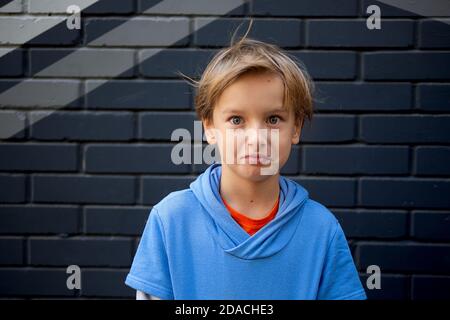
251, 226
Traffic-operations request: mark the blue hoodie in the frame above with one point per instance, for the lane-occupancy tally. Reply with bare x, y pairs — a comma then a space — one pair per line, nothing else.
192, 248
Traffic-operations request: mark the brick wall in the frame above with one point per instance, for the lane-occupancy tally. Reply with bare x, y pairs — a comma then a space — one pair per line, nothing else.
86, 117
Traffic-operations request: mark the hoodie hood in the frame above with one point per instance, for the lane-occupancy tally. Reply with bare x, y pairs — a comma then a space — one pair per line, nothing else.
271, 238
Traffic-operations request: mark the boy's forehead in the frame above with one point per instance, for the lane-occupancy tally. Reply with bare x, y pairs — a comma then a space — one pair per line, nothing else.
253, 92
256, 79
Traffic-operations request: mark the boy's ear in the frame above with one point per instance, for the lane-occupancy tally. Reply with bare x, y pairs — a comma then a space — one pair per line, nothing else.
209, 131
297, 132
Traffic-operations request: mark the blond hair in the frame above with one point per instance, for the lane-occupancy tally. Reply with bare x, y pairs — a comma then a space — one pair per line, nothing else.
250, 55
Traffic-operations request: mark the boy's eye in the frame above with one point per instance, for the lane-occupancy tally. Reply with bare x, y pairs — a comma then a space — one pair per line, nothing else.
235, 120
273, 119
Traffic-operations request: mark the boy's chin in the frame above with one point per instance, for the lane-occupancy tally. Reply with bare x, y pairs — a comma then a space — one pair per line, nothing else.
253, 172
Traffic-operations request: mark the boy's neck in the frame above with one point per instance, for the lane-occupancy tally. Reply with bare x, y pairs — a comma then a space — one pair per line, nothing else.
253, 199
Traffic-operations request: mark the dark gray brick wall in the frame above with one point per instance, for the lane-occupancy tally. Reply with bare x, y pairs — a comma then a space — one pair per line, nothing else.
86, 118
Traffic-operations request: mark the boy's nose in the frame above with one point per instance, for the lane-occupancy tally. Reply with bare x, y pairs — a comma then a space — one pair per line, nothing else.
257, 135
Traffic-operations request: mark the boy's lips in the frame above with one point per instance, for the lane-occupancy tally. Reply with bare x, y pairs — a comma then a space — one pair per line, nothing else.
257, 158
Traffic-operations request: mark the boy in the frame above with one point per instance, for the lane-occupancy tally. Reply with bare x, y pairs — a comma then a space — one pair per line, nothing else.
239, 233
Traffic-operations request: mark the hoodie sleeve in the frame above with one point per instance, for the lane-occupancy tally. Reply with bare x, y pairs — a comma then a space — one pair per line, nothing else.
150, 269
340, 279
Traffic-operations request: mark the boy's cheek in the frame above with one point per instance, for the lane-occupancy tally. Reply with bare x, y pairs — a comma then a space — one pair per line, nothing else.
284, 151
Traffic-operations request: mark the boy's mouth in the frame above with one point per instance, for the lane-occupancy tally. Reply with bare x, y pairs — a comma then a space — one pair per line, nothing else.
257, 159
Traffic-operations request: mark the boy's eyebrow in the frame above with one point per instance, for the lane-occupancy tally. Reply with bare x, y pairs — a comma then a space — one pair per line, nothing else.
279, 109
232, 111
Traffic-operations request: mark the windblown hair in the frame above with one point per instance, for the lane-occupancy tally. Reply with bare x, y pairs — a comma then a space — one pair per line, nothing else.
250, 55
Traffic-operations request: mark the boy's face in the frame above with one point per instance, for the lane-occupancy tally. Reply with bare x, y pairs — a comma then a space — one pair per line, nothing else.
251, 128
